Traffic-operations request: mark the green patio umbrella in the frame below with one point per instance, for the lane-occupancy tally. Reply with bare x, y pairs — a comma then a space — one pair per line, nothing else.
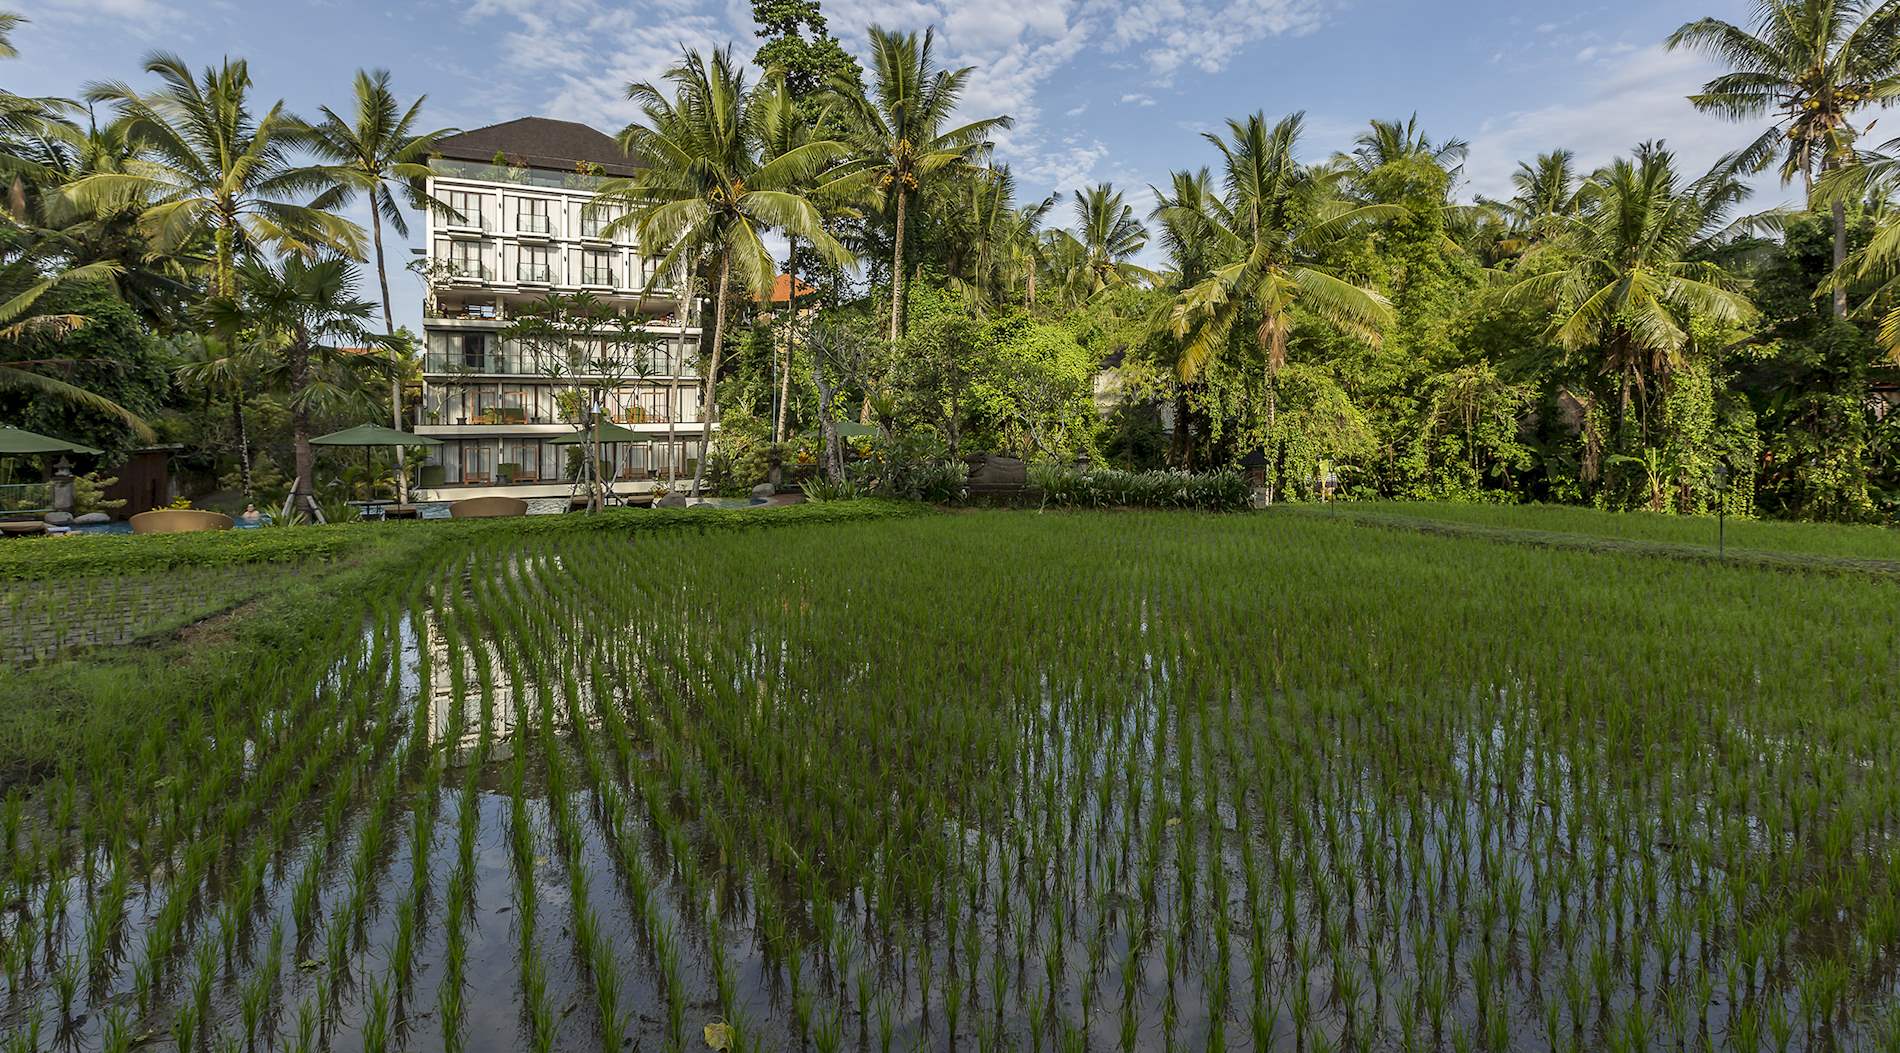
368, 435
18, 442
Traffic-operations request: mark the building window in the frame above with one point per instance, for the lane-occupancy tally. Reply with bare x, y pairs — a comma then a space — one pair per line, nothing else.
520, 461
651, 406
465, 260
478, 462
474, 351
465, 208
597, 267
531, 216
533, 265
594, 222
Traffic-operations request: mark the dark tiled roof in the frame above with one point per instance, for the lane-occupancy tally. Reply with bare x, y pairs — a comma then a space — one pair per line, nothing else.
538, 142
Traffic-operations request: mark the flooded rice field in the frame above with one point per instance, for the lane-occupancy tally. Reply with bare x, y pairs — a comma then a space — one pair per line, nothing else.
1002, 782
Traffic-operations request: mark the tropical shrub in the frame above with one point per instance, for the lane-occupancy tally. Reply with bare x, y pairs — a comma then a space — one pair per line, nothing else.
1057, 484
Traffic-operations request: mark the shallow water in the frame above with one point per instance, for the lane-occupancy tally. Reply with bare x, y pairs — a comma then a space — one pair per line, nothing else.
1134, 880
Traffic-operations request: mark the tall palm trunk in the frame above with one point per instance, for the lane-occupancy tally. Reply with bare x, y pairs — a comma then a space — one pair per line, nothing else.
395, 370
1183, 440
1838, 216
243, 443
303, 486
672, 388
897, 267
709, 405
1269, 448
791, 338
224, 250
1840, 254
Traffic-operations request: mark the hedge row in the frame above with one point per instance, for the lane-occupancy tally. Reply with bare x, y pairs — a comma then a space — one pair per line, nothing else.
95, 554
1111, 488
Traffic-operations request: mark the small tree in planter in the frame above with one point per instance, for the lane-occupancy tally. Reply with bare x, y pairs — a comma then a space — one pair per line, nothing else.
579, 344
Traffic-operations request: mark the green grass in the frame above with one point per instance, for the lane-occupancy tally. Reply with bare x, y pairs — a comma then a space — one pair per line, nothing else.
1071, 780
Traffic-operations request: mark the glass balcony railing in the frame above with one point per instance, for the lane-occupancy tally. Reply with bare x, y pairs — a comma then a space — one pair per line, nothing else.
515, 364
522, 175
473, 219
597, 275
479, 312
469, 271
461, 362
533, 223
535, 273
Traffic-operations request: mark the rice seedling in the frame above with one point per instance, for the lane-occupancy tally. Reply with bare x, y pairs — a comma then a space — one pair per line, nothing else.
1131, 781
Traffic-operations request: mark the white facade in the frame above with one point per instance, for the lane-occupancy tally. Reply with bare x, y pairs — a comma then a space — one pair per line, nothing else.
516, 234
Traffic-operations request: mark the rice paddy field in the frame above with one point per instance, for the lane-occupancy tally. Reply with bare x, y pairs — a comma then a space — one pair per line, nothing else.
1743, 535
994, 781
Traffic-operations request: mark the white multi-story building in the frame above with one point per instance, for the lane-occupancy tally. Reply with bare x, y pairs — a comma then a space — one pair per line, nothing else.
516, 228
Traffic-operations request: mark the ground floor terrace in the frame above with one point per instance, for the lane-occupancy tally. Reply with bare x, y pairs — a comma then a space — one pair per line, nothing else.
534, 466
862, 776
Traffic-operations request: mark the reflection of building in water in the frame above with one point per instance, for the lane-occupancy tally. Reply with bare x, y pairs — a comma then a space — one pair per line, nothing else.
435, 714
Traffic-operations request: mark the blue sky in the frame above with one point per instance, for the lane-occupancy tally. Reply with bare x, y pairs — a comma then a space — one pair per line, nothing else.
1101, 89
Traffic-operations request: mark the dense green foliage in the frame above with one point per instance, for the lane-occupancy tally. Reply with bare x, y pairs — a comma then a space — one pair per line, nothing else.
1356, 326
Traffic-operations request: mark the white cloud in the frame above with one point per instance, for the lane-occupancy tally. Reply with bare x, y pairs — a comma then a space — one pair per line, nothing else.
1139, 98
588, 50
1644, 95
1204, 34
144, 13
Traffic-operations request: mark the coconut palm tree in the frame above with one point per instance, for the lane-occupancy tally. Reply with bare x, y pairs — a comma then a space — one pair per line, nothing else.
1264, 242
22, 119
996, 245
304, 312
782, 126
1108, 236
1547, 193
157, 285
1264, 235
208, 168
1387, 142
702, 187
1810, 64
1874, 177
1623, 278
902, 132
1182, 214
377, 152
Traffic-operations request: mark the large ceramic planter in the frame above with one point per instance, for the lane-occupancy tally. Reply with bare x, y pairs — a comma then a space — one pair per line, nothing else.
488, 507
179, 521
